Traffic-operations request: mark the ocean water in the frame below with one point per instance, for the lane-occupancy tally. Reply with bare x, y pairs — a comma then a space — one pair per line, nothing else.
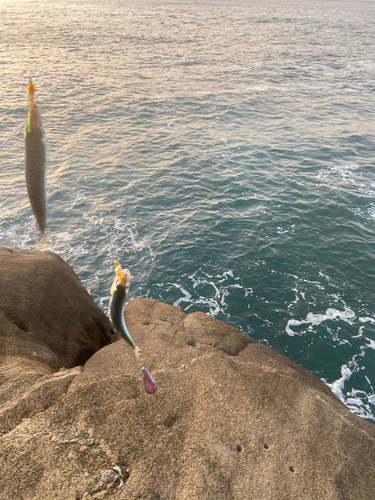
222, 151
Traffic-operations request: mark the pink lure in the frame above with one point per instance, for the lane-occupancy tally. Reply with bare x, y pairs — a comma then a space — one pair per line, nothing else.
148, 381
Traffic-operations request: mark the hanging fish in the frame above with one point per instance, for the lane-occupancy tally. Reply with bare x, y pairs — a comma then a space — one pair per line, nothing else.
119, 293
35, 156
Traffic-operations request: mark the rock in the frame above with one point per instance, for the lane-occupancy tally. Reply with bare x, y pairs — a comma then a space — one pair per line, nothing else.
45, 312
232, 419
48, 322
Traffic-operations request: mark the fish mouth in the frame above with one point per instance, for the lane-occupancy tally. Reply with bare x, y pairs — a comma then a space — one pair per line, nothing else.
124, 276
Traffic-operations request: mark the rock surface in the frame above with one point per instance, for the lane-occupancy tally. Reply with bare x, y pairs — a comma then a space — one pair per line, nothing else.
232, 419
46, 313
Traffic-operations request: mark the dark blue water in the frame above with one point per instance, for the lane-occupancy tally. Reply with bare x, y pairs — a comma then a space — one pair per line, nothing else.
223, 151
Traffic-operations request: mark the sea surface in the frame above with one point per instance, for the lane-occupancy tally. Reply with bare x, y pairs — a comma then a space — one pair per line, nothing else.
223, 151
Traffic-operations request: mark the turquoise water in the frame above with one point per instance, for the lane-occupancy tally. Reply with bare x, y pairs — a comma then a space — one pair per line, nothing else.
223, 151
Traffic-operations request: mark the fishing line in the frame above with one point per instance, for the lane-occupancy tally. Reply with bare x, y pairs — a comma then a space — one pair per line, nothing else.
15, 132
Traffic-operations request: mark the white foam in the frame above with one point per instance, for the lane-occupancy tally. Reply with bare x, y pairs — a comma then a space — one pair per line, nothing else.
228, 273
79, 197
131, 237
337, 386
351, 175
357, 405
186, 295
371, 343
64, 236
355, 399
215, 303
293, 322
367, 320
340, 173
346, 315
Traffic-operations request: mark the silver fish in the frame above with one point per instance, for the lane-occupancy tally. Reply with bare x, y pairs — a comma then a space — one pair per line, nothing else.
35, 156
119, 292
